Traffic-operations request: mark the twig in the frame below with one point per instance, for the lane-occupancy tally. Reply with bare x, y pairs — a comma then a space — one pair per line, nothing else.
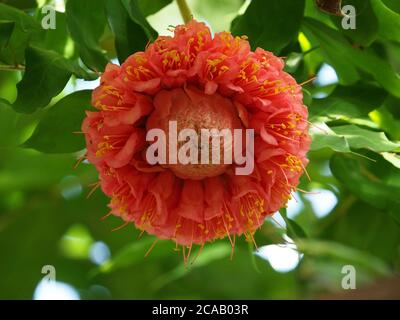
184, 10
11, 68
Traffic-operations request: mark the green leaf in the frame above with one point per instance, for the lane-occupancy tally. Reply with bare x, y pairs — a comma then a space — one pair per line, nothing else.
133, 254
335, 48
6, 29
45, 76
359, 225
364, 183
393, 158
21, 4
129, 36
359, 138
351, 104
26, 29
13, 53
344, 138
293, 229
137, 16
392, 5
389, 20
395, 214
386, 121
378, 68
86, 21
26, 22
366, 30
339, 251
150, 7
129, 255
4, 103
208, 255
324, 137
270, 24
345, 59
56, 39
293, 61
56, 132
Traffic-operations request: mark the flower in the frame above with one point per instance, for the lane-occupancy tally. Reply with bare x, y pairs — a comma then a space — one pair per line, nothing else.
199, 81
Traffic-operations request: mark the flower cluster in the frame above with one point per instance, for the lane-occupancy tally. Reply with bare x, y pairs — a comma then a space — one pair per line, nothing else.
198, 80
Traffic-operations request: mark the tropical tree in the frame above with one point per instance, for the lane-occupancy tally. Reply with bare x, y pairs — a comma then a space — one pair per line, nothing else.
340, 229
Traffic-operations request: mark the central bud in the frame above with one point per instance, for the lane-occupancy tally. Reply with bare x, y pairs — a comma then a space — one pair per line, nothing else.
197, 127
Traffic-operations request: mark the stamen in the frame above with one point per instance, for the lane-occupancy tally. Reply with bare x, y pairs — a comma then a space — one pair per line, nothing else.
106, 216
198, 253
94, 188
120, 227
79, 161
307, 81
151, 248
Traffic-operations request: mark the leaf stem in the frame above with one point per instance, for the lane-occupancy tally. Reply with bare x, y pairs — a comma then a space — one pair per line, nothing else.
11, 68
184, 10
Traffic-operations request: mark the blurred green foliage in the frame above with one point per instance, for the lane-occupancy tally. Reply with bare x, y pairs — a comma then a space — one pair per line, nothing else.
46, 219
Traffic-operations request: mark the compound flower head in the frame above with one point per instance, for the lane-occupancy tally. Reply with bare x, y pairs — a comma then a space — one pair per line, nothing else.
198, 82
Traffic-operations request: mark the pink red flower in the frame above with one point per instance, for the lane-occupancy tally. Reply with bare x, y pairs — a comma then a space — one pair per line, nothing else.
199, 81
